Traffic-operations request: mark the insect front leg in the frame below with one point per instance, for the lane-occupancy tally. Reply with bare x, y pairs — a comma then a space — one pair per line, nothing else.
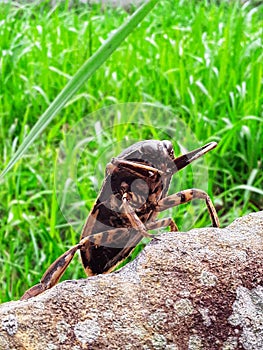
142, 171
187, 196
135, 221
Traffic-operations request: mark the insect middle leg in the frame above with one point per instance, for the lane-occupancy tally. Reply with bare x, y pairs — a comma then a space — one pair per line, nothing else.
162, 223
187, 196
137, 234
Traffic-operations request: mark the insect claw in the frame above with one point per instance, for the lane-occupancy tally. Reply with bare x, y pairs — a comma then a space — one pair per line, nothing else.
33, 291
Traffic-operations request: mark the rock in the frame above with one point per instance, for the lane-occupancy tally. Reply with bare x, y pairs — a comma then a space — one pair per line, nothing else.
201, 289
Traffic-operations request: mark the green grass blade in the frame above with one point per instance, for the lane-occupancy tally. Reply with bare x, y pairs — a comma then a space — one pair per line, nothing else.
81, 76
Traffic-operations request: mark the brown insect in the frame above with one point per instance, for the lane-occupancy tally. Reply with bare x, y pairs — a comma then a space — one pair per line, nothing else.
133, 193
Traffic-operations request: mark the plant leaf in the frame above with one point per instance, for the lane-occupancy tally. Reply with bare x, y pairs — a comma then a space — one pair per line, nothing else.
81, 76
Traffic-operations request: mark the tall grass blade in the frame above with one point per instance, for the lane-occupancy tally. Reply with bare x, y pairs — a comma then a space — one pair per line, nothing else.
81, 76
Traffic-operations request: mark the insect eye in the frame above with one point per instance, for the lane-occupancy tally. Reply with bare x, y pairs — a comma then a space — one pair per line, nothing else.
168, 145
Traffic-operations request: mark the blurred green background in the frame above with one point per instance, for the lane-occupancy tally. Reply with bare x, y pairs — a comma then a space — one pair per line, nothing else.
201, 60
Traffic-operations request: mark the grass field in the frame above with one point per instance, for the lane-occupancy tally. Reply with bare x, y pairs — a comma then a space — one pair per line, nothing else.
198, 60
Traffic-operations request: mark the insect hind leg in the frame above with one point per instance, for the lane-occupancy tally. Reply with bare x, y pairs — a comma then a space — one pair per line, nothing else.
187, 196
52, 274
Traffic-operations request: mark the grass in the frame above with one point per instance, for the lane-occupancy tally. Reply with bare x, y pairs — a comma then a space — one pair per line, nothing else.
200, 62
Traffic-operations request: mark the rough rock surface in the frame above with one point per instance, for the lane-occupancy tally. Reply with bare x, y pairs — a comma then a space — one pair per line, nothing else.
201, 289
